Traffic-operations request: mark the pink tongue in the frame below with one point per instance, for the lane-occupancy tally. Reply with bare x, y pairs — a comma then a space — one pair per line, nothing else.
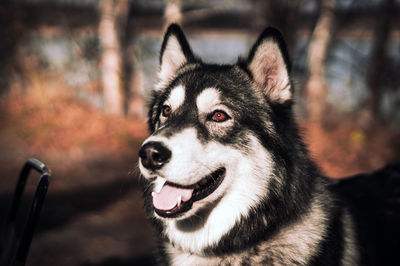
167, 198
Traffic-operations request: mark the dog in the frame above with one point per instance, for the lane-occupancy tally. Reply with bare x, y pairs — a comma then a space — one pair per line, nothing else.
228, 180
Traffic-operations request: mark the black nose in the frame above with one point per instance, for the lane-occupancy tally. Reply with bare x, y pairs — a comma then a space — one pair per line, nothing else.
154, 155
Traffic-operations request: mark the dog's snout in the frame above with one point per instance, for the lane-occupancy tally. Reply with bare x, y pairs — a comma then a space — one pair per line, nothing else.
154, 155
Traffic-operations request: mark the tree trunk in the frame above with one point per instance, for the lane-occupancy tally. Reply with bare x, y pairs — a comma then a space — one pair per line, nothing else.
321, 37
172, 12
113, 15
378, 59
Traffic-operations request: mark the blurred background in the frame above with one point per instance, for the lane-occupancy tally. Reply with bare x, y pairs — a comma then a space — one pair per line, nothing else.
75, 76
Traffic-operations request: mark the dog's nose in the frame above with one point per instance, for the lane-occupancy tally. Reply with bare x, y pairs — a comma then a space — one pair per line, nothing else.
154, 155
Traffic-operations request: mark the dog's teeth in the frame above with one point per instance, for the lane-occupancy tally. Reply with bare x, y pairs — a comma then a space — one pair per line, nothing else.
179, 200
153, 193
160, 185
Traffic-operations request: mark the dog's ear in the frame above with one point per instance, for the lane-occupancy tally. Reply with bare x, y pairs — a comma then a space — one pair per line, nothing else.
269, 65
175, 52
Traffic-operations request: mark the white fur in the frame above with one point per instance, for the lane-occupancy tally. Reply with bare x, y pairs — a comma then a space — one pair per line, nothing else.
176, 97
207, 99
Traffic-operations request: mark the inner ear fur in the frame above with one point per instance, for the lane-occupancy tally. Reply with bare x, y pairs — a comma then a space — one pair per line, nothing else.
268, 63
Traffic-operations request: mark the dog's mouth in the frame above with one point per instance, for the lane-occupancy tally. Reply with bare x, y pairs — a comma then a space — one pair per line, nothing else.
174, 199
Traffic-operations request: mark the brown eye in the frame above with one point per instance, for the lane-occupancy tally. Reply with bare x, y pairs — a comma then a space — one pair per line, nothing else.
166, 110
219, 116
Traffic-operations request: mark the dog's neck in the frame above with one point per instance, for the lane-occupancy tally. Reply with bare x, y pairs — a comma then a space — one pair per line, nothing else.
295, 243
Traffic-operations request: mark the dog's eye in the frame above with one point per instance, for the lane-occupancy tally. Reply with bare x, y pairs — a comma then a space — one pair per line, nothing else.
166, 110
219, 116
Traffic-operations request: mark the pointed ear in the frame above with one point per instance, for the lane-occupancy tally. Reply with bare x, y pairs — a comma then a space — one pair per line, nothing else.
175, 52
269, 65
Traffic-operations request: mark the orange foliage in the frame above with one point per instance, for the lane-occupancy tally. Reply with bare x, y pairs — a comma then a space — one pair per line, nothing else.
59, 124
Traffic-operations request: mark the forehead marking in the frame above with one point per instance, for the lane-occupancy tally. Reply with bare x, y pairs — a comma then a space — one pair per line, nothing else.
206, 99
176, 97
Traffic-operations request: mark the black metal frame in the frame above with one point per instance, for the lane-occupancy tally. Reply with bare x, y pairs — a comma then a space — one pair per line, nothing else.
14, 251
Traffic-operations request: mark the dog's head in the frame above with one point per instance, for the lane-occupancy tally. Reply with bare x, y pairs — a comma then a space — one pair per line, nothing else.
208, 161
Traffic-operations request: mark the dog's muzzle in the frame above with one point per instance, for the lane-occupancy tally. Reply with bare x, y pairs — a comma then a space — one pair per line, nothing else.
172, 199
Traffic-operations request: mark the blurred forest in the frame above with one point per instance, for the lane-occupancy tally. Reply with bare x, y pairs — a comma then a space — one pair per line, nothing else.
75, 76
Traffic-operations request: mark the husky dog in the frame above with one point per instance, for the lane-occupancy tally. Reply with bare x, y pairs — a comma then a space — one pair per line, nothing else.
228, 181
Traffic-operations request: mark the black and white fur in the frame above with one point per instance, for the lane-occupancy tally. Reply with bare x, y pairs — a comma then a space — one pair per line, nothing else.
273, 207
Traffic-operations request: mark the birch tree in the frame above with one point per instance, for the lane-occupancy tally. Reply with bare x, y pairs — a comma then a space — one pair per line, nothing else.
321, 37
113, 16
378, 61
172, 12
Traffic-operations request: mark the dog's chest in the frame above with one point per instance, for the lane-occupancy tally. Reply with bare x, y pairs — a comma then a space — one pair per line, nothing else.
183, 259
178, 257
263, 254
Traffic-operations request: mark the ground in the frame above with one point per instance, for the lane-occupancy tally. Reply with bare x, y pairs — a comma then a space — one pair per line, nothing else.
93, 212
